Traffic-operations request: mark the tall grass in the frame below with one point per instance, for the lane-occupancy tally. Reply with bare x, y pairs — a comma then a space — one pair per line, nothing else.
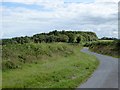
16, 55
58, 65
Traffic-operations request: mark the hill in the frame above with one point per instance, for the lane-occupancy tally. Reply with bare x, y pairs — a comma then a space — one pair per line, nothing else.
54, 36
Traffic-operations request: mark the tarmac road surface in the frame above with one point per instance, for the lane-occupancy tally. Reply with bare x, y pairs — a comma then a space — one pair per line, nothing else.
106, 75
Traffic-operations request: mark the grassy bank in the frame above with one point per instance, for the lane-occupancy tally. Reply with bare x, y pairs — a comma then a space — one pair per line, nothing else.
107, 47
15, 55
55, 65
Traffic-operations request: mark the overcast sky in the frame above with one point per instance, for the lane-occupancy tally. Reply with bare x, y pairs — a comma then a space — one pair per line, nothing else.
28, 17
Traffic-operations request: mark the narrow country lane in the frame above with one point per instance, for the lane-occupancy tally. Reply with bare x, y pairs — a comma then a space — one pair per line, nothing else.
106, 75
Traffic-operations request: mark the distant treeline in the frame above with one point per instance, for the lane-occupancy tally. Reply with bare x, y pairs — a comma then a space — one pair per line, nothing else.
54, 36
107, 38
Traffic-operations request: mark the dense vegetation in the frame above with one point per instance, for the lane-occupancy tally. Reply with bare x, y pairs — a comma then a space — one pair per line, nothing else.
54, 36
30, 49
46, 65
17, 54
108, 38
107, 47
44, 61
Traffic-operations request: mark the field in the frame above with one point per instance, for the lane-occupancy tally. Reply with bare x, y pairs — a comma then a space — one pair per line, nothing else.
54, 65
105, 40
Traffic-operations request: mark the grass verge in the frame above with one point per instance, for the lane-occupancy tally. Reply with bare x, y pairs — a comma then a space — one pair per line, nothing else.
57, 71
107, 47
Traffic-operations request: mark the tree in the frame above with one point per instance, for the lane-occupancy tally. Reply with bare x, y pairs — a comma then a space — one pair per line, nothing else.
36, 40
27, 39
55, 36
62, 38
51, 38
78, 39
71, 37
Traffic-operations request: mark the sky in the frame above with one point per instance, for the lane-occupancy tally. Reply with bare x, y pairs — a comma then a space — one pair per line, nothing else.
29, 17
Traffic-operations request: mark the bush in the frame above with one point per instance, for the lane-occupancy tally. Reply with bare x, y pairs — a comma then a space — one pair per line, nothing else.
9, 65
17, 54
106, 47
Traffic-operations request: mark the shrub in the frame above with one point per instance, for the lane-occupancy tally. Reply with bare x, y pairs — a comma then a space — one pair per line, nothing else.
9, 65
17, 54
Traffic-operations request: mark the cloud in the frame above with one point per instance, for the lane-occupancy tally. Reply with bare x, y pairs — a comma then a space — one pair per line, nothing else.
108, 1
98, 17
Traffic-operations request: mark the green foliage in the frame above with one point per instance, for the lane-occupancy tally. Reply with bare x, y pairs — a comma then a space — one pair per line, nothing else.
9, 64
58, 71
107, 38
78, 39
54, 36
17, 54
107, 47
72, 37
62, 38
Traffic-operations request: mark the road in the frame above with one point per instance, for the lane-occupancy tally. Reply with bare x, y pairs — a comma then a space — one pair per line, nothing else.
106, 75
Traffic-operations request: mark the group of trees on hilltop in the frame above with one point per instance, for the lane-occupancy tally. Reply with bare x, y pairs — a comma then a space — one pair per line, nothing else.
54, 36
50, 38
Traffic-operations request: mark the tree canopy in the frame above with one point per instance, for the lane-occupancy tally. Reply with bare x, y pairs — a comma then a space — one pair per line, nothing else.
54, 36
